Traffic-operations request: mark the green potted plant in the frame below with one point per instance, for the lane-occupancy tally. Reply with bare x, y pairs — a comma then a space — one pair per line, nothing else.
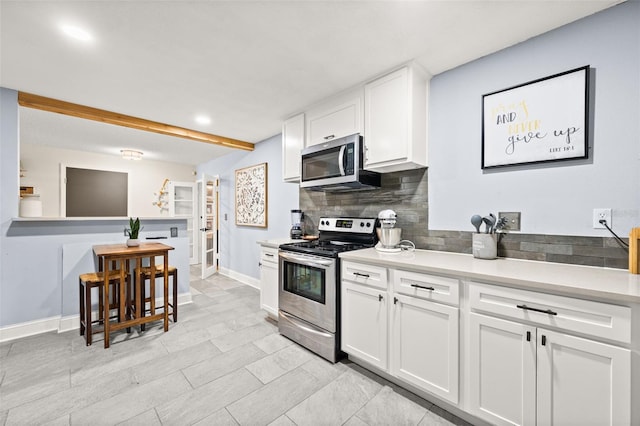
132, 232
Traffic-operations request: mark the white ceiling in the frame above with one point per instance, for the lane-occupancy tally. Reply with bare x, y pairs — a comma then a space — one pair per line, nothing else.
246, 64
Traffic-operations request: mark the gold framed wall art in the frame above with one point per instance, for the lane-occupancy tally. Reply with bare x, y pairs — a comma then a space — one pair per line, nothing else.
251, 196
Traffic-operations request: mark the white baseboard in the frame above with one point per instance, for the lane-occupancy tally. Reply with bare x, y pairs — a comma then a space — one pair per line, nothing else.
245, 279
29, 328
61, 324
71, 322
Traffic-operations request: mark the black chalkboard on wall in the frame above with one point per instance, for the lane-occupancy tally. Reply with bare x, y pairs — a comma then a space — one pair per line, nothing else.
96, 193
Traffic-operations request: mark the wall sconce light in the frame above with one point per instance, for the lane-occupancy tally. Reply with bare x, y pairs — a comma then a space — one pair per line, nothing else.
129, 154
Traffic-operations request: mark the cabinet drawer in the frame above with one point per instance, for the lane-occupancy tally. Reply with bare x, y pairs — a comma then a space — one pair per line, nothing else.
426, 286
268, 254
374, 276
582, 316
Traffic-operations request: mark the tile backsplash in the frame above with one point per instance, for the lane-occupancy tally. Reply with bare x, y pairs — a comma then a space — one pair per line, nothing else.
406, 194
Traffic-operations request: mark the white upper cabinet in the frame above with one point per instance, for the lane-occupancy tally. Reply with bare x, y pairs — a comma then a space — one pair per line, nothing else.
395, 121
336, 117
292, 143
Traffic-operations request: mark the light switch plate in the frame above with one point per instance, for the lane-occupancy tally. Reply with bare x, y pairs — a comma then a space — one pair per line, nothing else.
513, 220
174, 232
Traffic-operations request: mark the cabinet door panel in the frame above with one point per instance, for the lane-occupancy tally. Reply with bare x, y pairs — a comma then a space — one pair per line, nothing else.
425, 345
502, 371
337, 117
364, 323
582, 382
387, 118
269, 287
292, 143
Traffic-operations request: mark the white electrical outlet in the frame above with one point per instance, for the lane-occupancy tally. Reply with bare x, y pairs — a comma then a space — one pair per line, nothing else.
601, 214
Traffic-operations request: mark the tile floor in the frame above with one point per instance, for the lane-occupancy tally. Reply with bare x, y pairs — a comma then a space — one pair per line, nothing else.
222, 363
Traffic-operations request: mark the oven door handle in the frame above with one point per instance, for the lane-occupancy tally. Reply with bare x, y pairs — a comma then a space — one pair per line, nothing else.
306, 260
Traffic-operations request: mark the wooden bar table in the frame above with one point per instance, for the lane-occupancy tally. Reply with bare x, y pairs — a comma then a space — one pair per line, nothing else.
123, 254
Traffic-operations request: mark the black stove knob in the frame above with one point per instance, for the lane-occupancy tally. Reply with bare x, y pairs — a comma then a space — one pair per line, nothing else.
368, 224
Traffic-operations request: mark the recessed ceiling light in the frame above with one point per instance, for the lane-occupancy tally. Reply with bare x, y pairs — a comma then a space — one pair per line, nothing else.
203, 119
76, 32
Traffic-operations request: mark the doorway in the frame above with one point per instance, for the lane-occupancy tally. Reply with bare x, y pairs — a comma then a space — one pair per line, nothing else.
209, 210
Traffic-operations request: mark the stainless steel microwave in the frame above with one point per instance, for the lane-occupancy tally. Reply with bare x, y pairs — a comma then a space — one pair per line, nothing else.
337, 166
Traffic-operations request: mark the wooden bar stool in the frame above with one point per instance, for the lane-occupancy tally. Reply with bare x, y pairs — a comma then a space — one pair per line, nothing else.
145, 275
89, 281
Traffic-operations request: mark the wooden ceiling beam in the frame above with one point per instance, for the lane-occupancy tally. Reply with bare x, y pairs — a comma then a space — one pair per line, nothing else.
29, 100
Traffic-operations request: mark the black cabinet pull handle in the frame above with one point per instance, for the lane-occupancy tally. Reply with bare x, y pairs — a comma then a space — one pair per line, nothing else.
326, 138
528, 336
422, 287
358, 274
268, 254
544, 340
380, 298
544, 311
395, 300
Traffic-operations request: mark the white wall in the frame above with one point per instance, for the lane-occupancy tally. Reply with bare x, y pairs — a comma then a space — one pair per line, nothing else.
556, 198
145, 177
239, 252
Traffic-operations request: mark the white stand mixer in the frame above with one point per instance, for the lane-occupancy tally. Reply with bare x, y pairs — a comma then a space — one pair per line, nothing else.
389, 235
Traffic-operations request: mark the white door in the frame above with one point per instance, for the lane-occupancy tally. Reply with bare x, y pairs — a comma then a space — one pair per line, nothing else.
582, 382
209, 228
503, 371
424, 345
364, 323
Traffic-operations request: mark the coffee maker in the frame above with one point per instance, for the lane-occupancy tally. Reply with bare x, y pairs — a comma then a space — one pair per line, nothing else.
296, 224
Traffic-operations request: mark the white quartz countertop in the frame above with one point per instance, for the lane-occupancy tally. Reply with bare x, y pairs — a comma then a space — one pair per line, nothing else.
275, 242
570, 280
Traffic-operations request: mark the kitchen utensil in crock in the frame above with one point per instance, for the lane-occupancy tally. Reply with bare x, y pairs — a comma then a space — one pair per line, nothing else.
488, 222
476, 220
493, 220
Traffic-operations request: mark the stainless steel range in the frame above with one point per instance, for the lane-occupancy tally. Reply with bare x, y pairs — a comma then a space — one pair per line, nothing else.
309, 283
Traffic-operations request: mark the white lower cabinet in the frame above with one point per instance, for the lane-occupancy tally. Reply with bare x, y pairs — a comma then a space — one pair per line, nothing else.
526, 375
530, 358
424, 345
269, 280
364, 323
502, 374
581, 381
404, 334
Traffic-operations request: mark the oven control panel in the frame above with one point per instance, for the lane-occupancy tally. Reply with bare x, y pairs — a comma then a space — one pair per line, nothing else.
347, 224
